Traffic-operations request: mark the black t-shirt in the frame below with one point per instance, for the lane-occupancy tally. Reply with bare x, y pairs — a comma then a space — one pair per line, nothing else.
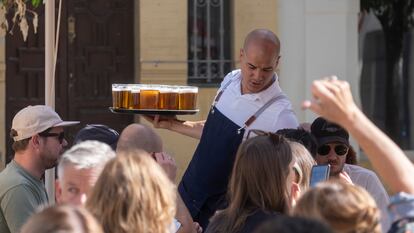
256, 219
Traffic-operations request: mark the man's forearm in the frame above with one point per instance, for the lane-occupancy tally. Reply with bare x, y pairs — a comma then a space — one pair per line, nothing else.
192, 129
386, 157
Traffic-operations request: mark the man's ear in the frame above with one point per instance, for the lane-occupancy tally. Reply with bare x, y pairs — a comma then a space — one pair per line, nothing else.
241, 53
277, 61
58, 192
35, 141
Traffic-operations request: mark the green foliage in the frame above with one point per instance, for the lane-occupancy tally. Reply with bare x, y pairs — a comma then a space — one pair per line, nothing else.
35, 3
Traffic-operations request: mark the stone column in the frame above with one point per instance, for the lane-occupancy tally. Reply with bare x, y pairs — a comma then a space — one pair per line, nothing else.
319, 38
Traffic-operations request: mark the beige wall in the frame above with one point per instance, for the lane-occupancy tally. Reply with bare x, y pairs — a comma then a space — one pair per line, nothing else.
163, 38
2, 103
249, 15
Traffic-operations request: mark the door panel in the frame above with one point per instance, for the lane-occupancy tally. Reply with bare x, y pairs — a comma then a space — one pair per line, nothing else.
100, 54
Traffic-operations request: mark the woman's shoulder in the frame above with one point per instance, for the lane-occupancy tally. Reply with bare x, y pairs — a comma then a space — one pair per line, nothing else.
256, 218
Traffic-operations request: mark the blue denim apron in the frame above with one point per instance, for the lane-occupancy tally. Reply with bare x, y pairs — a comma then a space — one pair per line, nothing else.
204, 184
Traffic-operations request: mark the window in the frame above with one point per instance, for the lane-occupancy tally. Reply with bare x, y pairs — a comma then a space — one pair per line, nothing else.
209, 51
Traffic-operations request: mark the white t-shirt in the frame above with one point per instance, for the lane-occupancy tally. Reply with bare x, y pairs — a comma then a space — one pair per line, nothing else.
370, 182
238, 108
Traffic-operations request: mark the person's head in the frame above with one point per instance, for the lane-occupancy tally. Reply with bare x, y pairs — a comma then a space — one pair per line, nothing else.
303, 166
137, 136
79, 169
344, 207
62, 218
303, 137
101, 133
133, 194
261, 179
333, 144
287, 224
259, 59
38, 130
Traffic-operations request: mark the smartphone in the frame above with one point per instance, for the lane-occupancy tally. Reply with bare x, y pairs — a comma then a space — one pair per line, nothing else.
319, 173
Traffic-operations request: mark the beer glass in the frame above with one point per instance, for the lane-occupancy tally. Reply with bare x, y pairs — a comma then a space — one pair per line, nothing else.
188, 98
134, 100
120, 96
168, 98
148, 97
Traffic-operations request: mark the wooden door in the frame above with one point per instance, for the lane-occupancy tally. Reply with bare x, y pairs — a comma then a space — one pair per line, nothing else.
96, 49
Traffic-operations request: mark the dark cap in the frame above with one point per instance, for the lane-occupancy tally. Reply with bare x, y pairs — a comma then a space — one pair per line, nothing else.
97, 132
328, 132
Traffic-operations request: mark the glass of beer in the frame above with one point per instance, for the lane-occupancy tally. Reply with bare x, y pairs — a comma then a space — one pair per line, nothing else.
120, 95
168, 98
188, 98
149, 96
134, 100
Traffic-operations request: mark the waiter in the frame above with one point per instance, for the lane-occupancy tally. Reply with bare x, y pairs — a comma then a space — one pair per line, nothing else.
248, 98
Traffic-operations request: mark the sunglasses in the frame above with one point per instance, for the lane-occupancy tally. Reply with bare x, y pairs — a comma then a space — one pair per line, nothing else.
339, 150
60, 136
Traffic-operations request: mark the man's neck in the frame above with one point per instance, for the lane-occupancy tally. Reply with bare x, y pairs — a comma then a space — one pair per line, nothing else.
28, 163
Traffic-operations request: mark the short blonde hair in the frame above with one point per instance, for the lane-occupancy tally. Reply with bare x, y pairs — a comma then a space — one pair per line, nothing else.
133, 194
345, 207
305, 161
62, 218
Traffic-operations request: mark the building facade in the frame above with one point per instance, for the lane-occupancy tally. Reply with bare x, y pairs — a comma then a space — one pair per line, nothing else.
172, 44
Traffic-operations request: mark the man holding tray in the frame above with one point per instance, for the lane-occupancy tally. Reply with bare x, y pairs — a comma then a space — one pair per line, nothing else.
248, 98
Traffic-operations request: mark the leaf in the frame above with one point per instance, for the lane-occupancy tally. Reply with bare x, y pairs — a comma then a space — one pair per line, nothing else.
24, 27
36, 3
4, 25
35, 21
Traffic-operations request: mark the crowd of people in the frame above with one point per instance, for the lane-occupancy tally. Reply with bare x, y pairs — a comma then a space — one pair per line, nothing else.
251, 171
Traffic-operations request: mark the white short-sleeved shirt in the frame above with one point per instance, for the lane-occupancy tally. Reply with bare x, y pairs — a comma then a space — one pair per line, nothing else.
370, 182
238, 108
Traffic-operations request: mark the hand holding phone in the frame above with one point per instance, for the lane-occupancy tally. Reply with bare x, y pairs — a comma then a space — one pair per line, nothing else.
319, 173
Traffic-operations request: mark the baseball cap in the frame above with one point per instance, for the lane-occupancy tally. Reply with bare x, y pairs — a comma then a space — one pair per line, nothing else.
101, 133
32, 120
328, 132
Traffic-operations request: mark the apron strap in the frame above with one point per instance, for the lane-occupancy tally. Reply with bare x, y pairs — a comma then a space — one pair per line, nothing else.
260, 111
218, 96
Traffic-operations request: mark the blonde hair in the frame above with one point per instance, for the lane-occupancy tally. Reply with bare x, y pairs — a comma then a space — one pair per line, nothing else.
133, 194
345, 207
63, 218
305, 161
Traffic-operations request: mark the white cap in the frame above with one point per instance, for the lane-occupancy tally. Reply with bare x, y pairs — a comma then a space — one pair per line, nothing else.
32, 120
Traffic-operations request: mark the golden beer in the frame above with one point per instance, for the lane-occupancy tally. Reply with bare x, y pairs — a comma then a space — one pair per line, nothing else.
134, 100
125, 96
116, 98
148, 99
187, 100
120, 95
168, 99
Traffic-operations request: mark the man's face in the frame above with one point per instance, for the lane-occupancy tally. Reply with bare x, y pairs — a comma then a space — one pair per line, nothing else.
336, 161
258, 64
52, 148
75, 184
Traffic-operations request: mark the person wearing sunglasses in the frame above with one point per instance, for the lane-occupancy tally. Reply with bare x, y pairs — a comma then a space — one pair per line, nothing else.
333, 149
38, 142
